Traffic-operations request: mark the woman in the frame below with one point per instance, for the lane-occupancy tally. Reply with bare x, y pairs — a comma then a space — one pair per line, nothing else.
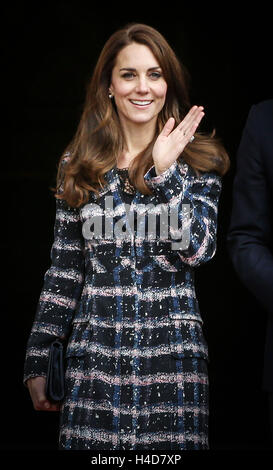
122, 294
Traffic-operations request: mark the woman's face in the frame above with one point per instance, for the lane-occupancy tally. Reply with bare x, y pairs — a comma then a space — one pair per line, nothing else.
138, 85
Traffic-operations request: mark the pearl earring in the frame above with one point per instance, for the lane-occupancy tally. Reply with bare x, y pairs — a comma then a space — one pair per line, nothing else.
110, 95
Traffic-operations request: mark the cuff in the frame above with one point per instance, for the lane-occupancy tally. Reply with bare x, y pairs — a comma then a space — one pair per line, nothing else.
35, 367
169, 183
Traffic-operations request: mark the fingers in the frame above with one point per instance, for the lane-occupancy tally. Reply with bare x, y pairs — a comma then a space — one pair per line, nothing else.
190, 123
187, 127
168, 127
36, 386
41, 403
44, 405
53, 407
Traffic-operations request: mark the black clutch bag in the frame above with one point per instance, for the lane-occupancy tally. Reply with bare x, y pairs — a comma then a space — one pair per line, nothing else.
55, 372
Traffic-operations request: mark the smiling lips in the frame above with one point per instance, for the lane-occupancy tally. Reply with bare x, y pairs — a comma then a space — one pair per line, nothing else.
141, 103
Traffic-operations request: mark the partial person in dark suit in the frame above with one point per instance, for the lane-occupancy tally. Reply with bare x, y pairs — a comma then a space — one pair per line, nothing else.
250, 234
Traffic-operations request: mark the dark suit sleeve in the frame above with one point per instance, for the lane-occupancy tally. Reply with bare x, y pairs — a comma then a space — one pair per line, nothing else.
249, 237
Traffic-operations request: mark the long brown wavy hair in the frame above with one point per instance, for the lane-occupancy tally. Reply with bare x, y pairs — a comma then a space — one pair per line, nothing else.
99, 138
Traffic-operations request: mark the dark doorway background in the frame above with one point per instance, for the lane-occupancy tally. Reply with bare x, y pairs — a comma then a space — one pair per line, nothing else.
49, 52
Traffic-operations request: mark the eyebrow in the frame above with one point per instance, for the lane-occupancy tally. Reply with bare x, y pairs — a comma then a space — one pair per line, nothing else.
134, 70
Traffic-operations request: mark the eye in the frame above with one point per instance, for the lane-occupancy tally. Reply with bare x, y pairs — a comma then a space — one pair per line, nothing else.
128, 75
155, 75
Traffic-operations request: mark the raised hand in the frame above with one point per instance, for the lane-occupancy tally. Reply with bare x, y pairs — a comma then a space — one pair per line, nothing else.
171, 143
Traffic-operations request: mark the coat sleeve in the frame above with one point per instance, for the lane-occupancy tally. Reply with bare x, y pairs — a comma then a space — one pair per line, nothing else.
250, 233
61, 290
181, 188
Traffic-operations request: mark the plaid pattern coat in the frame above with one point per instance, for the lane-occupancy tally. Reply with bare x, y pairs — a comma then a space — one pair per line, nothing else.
136, 375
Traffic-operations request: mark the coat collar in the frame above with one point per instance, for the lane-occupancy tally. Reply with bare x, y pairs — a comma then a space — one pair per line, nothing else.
113, 185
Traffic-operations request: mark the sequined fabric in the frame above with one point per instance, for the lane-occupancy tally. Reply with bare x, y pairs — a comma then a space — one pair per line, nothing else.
128, 188
136, 359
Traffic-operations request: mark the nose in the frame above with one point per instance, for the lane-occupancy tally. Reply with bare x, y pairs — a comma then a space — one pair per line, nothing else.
142, 85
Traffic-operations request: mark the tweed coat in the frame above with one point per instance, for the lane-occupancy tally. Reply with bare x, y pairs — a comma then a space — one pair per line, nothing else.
136, 375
